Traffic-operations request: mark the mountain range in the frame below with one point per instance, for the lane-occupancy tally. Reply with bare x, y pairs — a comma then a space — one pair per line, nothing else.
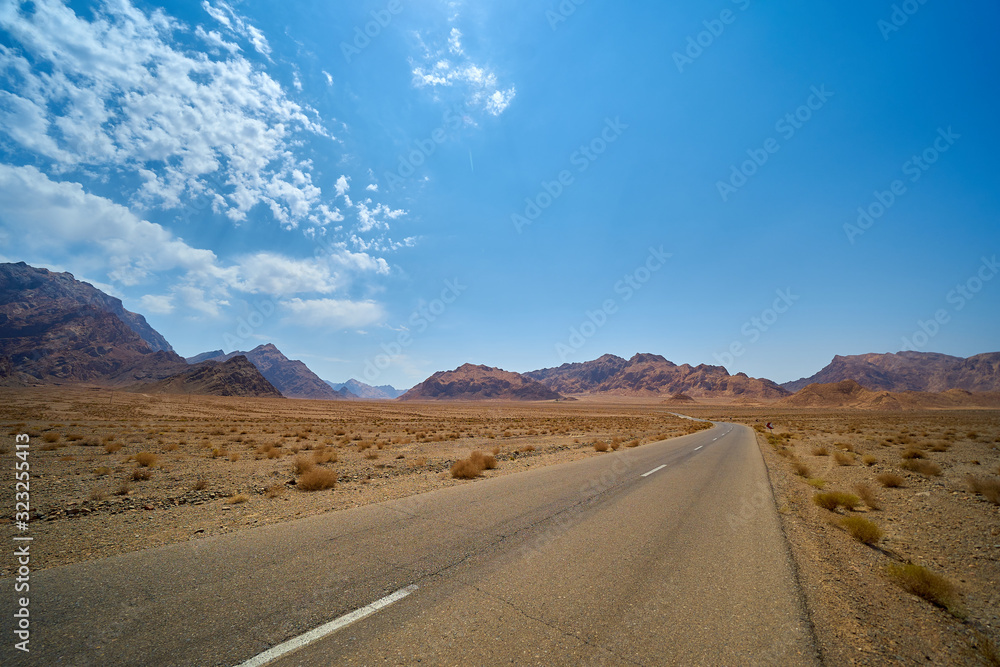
56, 329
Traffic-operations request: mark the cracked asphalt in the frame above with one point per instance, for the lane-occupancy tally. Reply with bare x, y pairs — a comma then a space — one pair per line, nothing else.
583, 563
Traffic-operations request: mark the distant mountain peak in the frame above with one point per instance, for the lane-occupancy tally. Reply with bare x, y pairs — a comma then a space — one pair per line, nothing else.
471, 382
910, 371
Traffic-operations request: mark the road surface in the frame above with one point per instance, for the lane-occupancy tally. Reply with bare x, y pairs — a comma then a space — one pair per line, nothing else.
669, 553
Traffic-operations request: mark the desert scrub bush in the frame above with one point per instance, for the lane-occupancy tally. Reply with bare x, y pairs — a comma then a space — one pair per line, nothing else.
419, 462
926, 468
473, 466
98, 494
820, 451
487, 461
318, 479
141, 474
302, 464
940, 446
234, 457
867, 494
890, 480
73, 437
123, 488
112, 447
869, 460
601, 446
929, 585
987, 487
371, 456
831, 500
51, 437
274, 490
843, 458
862, 529
912, 453
526, 449
237, 498
200, 484
101, 471
145, 459
801, 469
818, 483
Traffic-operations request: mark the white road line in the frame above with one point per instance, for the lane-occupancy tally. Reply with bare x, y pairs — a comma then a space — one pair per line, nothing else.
302, 640
647, 474
698, 447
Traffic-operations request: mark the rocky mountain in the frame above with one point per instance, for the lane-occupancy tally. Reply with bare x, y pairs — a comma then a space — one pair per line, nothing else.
359, 389
653, 375
910, 371
54, 328
290, 376
25, 288
850, 394
235, 377
478, 383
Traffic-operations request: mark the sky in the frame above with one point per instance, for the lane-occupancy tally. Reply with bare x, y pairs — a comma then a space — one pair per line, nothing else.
387, 189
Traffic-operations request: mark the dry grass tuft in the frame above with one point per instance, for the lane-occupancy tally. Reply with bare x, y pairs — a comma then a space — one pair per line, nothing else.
869, 460
145, 459
843, 458
274, 491
818, 483
862, 529
925, 583
890, 480
867, 494
112, 447
831, 500
601, 446
820, 451
98, 494
200, 485
302, 465
318, 479
123, 488
141, 474
913, 454
237, 499
987, 487
473, 466
926, 468
801, 469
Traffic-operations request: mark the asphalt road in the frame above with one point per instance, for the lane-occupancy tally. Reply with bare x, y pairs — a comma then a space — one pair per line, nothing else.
595, 562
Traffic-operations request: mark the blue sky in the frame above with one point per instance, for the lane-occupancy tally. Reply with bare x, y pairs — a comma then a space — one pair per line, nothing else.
513, 183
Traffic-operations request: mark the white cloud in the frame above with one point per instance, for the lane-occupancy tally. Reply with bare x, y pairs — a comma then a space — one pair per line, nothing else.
117, 95
55, 218
157, 304
343, 185
372, 187
329, 78
235, 23
333, 313
448, 66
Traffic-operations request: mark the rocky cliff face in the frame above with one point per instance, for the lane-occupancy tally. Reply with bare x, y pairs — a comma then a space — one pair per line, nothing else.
291, 377
235, 377
910, 371
653, 375
478, 383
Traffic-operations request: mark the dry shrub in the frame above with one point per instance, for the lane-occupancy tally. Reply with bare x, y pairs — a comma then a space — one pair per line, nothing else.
987, 487
112, 447
141, 474
98, 494
600, 446
843, 458
925, 583
302, 465
820, 451
867, 494
102, 471
801, 469
890, 480
72, 437
274, 490
325, 456
487, 461
237, 499
831, 500
869, 460
473, 466
862, 529
318, 479
526, 449
51, 437
818, 483
496, 450
371, 456
419, 462
632, 443
145, 459
123, 488
912, 453
926, 468
941, 446
234, 457
172, 447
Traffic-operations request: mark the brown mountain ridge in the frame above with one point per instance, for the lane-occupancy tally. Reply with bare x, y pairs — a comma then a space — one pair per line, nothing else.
478, 383
910, 371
